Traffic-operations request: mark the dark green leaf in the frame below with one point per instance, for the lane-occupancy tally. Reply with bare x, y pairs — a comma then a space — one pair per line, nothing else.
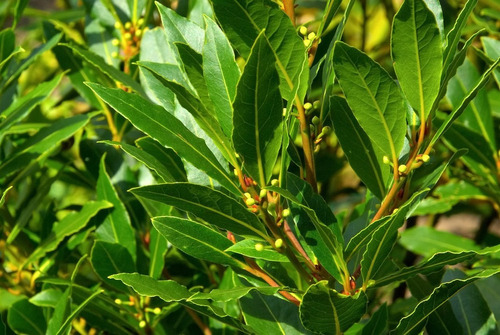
417, 54
24, 317
167, 157
158, 247
378, 323
244, 20
324, 310
166, 129
365, 159
374, 97
61, 312
116, 228
8, 43
195, 239
413, 323
258, 113
167, 290
111, 258
210, 205
221, 74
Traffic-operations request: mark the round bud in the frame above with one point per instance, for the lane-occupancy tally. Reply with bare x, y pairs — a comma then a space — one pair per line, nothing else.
316, 104
128, 25
284, 111
275, 182
157, 310
425, 158
115, 42
303, 30
118, 25
140, 22
402, 168
386, 160
128, 36
250, 202
395, 210
278, 243
115, 54
138, 33
315, 120
311, 36
235, 172
247, 195
118, 301
307, 43
285, 213
259, 247
262, 193
142, 324
326, 130
307, 106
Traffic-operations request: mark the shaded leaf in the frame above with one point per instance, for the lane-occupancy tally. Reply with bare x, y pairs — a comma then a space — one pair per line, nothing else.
26, 318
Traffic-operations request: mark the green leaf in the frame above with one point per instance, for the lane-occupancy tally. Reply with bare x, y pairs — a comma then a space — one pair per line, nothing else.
167, 290
258, 114
210, 205
465, 102
414, 322
489, 291
70, 224
234, 293
383, 239
374, 97
61, 312
111, 258
8, 43
116, 227
365, 159
195, 239
469, 307
271, 315
221, 74
100, 42
492, 50
158, 247
4, 194
324, 310
417, 54
477, 116
167, 157
378, 323
24, 105
100, 64
247, 248
180, 29
435, 7
24, 317
166, 129
76, 312
454, 35
437, 262
427, 241
244, 20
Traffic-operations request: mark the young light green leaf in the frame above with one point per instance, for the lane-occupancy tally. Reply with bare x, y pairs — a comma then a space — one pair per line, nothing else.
415, 321
465, 102
374, 97
258, 113
221, 74
116, 227
492, 50
427, 241
180, 29
195, 239
436, 9
247, 248
324, 310
166, 129
417, 54
100, 42
243, 21
365, 159
111, 258
234, 293
383, 239
69, 225
210, 205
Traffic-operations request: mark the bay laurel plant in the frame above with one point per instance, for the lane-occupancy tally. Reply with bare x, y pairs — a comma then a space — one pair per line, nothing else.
198, 189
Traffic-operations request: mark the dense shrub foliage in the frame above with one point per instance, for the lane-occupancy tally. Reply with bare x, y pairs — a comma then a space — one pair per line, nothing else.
249, 166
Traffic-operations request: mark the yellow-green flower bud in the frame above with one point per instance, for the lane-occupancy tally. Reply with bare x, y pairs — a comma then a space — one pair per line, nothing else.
138, 33
278, 243
386, 160
128, 25
250, 202
115, 54
307, 106
247, 195
303, 30
425, 158
142, 324
326, 130
284, 111
285, 213
118, 25
275, 182
311, 36
402, 168
259, 247
115, 42
315, 120
140, 22
157, 310
128, 36
262, 193
118, 301
307, 43
316, 104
